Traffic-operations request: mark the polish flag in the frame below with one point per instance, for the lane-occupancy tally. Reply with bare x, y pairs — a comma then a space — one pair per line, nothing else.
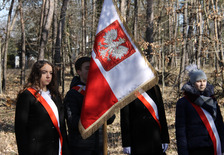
117, 71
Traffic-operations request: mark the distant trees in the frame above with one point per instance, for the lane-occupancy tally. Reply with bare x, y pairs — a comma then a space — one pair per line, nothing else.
172, 33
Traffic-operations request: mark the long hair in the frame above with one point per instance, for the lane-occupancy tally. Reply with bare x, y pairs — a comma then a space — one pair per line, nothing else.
35, 76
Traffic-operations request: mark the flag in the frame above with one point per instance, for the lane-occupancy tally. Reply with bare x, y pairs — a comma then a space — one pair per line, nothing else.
117, 71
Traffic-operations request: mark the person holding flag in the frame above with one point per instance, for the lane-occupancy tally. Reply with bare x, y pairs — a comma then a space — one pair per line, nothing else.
73, 103
39, 118
199, 123
143, 125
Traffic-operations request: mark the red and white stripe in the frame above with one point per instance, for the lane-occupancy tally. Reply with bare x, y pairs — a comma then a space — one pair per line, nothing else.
52, 110
80, 88
150, 105
210, 126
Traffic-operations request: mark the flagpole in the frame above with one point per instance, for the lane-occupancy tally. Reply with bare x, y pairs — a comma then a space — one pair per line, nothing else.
105, 138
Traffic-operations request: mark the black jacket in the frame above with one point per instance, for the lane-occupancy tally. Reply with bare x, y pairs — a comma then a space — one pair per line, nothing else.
35, 132
73, 104
191, 132
139, 129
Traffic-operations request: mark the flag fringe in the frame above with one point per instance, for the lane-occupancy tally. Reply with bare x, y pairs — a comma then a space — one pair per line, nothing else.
85, 133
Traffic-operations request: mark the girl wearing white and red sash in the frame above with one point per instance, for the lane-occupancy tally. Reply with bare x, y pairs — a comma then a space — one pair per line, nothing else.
39, 120
199, 123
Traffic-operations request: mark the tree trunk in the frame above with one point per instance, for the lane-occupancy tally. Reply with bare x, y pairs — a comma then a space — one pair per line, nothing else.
60, 36
70, 52
170, 29
93, 22
48, 15
149, 26
174, 57
190, 35
41, 20
0, 64
135, 28
83, 27
183, 54
23, 38
54, 29
124, 9
5, 52
199, 26
128, 2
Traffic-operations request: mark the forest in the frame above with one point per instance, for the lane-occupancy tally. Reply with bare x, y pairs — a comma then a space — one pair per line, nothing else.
171, 33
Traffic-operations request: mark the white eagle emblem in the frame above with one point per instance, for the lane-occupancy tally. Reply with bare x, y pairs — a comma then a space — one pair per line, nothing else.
113, 48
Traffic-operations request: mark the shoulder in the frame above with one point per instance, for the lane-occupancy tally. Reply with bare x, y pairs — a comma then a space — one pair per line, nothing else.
25, 93
25, 97
71, 93
182, 101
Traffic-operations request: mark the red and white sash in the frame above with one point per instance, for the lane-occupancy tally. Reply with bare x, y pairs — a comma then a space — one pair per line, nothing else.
52, 110
150, 105
210, 126
80, 88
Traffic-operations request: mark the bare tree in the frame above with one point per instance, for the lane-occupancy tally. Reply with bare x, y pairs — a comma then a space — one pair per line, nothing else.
183, 53
54, 29
48, 17
23, 40
60, 36
199, 26
135, 28
84, 27
149, 26
41, 19
1, 64
5, 52
94, 24
124, 9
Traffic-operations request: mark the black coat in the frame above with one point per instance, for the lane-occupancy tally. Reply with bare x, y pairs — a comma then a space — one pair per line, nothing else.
139, 129
73, 104
35, 132
191, 132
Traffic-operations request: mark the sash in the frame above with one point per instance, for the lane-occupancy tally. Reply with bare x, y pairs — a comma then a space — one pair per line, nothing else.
54, 117
150, 105
80, 88
210, 126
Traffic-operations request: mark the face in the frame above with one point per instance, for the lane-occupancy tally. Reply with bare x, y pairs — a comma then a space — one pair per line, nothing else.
46, 76
83, 72
200, 85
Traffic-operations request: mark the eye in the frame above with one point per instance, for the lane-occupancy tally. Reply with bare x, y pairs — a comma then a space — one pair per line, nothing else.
43, 72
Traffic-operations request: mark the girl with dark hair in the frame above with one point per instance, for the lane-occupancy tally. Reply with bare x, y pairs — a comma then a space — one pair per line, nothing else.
39, 120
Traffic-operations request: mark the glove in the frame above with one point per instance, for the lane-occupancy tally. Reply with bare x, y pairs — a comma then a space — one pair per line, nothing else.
127, 150
165, 147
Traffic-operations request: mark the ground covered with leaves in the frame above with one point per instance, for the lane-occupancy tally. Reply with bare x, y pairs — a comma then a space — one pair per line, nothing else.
7, 113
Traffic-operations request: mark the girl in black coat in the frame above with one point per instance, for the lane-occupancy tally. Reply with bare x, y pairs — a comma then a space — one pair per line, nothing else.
39, 119
192, 132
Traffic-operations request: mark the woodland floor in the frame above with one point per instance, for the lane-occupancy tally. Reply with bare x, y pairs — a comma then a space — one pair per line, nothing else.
7, 113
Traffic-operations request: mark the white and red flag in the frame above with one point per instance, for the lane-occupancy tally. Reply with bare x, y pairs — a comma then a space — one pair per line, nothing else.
117, 71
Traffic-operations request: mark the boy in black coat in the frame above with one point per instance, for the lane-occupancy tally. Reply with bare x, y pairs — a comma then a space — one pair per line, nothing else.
141, 134
73, 103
